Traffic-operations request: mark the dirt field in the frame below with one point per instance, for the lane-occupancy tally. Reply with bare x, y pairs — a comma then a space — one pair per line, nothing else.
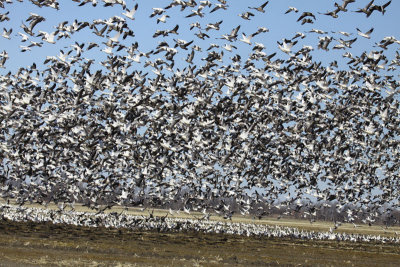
289, 222
31, 244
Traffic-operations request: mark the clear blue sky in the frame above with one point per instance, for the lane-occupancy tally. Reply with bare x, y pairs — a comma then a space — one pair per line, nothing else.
279, 24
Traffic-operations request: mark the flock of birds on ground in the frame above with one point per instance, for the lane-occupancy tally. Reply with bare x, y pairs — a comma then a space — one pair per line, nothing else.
210, 127
170, 224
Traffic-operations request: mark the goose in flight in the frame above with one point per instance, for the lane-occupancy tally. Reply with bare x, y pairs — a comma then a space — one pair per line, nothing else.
229, 47
25, 48
196, 12
219, 6
366, 9
260, 30
366, 34
291, 9
34, 20
345, 33
205, 3
4, 16
286, 45
306, 14
115, 38
381, 8
246, 15
84, 2
157, 11
48, 37
246, 39
318, 31
7, 33
232, 36
190, 56
260, 8
163, 19
24, 37
333, 13
130, 14
214, 26
202, 35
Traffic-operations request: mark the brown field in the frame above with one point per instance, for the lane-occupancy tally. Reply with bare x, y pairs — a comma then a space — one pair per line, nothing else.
46, 244
321, 226
32, 244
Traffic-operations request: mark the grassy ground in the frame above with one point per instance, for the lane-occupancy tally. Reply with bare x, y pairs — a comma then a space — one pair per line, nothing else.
31, 244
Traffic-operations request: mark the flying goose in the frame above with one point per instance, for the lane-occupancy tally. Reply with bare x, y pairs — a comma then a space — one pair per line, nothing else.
163, 19
246, 15
286, 45
4, 16
7, 33
381, 8
157, 11
48, 37
246, 39
366, 9
219, 6
291, 8
366, 34
305, 15
131, 13
260, 8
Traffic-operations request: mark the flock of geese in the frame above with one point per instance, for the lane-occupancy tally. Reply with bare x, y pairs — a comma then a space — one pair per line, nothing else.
210, 127
171, 224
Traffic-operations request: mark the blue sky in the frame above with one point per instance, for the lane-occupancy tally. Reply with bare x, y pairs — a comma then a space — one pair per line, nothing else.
280, 26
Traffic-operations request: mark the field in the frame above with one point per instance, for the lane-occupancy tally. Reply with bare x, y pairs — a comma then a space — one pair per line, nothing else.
289, 222
30, 244
33, 244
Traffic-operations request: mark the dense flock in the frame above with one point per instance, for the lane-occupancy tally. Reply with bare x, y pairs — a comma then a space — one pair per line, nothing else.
167, 224
216, 127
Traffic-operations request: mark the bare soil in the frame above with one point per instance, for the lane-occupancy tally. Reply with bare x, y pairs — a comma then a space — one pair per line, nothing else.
47, 244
